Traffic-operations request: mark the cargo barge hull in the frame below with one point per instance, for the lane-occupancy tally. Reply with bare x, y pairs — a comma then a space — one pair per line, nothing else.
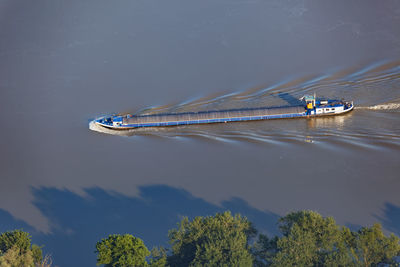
311, 108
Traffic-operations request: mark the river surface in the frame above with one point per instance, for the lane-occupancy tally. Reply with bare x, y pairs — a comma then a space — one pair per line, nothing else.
64, 63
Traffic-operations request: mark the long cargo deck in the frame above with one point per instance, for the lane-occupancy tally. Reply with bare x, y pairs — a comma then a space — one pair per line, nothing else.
311, 107
211, 116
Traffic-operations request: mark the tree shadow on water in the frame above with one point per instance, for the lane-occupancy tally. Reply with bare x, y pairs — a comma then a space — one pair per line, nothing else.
8, 222
77, 222
391, 218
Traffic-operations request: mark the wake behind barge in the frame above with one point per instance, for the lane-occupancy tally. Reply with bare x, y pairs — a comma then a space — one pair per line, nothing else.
310, 107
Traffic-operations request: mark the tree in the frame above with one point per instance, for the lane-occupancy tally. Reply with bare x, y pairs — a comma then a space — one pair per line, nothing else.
37, 254
308, 239
17, 244
158, 257
121, 250
220, 240
264, 250
372, 248
16, 238
14, 257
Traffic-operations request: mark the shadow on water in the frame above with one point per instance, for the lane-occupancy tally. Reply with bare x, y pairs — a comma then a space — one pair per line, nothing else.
77, 222
353, 226
391, 218
8, 222
290, 99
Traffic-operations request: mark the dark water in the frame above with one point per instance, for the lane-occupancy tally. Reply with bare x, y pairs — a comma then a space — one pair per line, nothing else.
63, 63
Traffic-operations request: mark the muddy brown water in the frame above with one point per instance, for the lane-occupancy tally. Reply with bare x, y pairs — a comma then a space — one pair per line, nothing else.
64, 63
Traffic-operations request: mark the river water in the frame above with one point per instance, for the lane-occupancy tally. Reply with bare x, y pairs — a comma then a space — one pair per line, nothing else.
63, 63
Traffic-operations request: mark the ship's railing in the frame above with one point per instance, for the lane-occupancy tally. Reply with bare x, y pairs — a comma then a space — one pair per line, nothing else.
217, 116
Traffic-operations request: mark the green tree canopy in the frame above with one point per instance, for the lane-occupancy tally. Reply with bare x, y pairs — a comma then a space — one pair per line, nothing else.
15, 257
308, 239
220, 240
121, 251
18, 243
16, 238
158, 257
370, 247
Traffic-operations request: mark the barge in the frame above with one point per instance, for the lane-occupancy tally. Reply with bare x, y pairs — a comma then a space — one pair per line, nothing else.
310, 107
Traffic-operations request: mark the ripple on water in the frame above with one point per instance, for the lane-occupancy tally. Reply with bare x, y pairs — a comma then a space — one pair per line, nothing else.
375, 85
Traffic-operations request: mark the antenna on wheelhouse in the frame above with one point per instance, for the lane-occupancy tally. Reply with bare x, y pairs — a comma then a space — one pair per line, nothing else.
314, 99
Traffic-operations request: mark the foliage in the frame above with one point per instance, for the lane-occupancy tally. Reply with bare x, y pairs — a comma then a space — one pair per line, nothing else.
15, 246
121, 250
372, 248
37, 254
264, 250
15, 257
158, 257
308, 239
220, 240
16, 238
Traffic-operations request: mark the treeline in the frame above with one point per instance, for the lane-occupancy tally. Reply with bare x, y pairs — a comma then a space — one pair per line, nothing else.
306, 239
16, 250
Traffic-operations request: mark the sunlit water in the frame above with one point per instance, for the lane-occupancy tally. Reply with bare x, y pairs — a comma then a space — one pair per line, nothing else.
64, 63
373, 88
